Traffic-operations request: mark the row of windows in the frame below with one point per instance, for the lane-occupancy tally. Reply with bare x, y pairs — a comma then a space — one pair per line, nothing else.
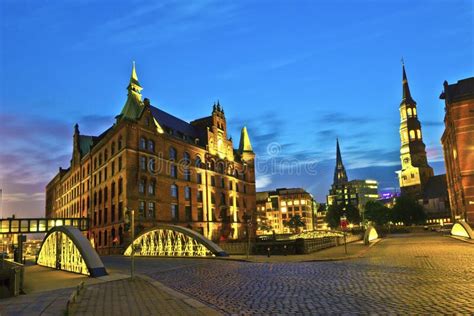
103, 156
410, 112
101, 217
103, 239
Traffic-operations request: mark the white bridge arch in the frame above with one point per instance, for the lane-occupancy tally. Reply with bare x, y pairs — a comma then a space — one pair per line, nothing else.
173, 241
66, 248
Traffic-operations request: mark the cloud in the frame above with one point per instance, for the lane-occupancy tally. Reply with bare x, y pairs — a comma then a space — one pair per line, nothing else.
149, 24
263, 181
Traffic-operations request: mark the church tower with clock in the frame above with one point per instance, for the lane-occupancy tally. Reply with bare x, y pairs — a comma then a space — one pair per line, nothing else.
415, 170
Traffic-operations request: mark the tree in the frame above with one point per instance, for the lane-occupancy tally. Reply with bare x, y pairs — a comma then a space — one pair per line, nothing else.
377, 212
335, 212
408, 211
294, 223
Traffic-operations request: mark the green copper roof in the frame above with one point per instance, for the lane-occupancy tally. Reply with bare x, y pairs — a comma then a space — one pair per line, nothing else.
245, 145
85, 143
133, 107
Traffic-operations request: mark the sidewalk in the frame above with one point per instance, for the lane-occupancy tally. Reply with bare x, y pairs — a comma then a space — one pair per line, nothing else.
355, 249
48, 290
140, 296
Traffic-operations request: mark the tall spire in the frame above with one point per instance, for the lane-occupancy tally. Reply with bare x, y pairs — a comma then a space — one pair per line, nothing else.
406, 97
245, 145
134, 105
340, 175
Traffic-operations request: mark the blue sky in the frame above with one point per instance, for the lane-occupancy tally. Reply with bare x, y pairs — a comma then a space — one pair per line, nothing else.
297, 73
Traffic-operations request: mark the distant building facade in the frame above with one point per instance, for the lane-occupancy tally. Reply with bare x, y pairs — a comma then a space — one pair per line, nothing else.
345, 192
458, 147
341, 193
164, 168
279, 206
366, 190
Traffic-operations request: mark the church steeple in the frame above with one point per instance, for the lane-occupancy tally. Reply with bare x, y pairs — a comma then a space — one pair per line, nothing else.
415, 170
133, 106
406, 95
340, 175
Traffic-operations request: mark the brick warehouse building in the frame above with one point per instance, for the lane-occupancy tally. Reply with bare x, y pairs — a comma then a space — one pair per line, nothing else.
166, 169
458, 146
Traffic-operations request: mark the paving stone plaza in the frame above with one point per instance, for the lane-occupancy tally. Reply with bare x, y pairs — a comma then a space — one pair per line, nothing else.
414, 274
424, 273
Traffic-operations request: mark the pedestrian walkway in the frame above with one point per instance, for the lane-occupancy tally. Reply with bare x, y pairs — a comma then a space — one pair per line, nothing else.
140, 296
355, 249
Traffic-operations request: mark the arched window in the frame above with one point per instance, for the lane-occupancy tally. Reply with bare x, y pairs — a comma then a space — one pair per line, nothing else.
220, 166
409, 112
418, 133
112, 149
403, 114
412, 135
112, 190
151, 145
106, 194
172, 153
112, 233
186, 157
120, 235
211, 165
174, 190
197, 162
414, 111
120, 143
151, 187
142, 143
120, 186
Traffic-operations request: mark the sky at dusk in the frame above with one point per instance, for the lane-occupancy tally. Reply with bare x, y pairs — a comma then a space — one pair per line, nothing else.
298, 74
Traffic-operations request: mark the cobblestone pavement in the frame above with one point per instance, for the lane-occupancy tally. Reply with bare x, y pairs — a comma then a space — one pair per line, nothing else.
133, 297
405, 274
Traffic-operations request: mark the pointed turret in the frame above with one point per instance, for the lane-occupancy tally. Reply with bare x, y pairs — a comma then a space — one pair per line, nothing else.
245, 145
134, 105
340, 175
406, 97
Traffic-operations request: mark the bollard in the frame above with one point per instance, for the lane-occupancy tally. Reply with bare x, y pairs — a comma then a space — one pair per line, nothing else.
284, 250
268, 252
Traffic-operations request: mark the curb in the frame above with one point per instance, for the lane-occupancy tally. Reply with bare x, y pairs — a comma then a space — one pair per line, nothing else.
194, 303
469, 241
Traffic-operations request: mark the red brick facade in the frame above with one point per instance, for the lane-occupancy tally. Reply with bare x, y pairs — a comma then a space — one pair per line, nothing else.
458, 147
156, 165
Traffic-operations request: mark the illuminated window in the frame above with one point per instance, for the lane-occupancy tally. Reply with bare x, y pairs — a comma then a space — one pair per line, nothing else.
418, 132
283, 210
412, 135
409, 112
283, 203
403, 114
414, 111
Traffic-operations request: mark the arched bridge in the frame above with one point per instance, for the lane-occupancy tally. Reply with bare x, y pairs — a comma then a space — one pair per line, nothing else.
174, 241
66, 248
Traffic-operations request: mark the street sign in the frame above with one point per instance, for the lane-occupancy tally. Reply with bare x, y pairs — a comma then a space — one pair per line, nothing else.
343, 223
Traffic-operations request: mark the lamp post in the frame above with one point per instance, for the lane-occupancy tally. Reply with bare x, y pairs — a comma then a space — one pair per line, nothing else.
129, 218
